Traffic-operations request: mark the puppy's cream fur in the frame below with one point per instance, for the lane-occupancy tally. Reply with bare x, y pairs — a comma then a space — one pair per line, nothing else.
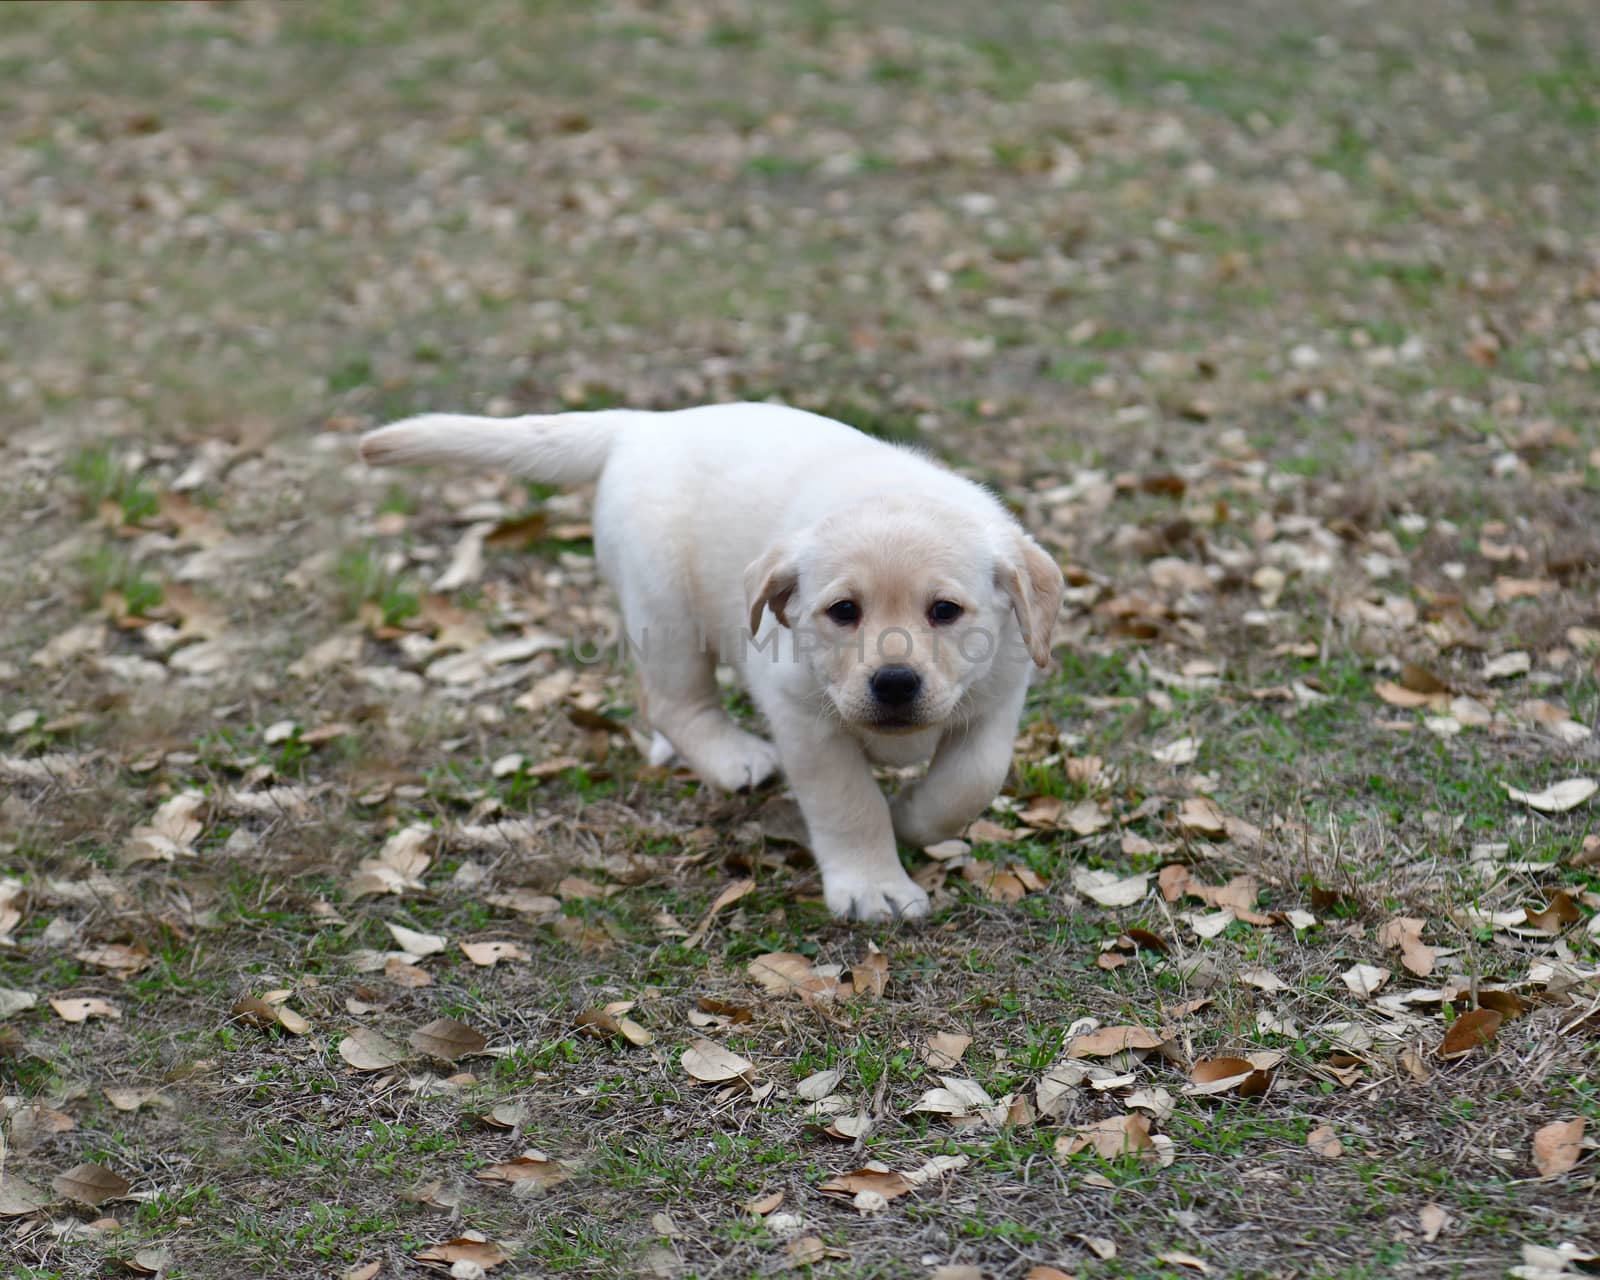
729, 531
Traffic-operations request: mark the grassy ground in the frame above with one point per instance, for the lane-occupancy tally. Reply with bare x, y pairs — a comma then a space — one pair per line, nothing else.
1280, 324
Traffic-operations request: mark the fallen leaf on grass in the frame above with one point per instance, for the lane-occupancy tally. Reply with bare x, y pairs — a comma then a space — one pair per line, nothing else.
1178, 1258
415, 943
1365, 980
1108, 889
133, 1099
1322, 1141
1557, 798
1048, 1273
1108, 1040
1198, 816
398, 866
869, 976
122, 960
610, 1021
780, 973
83, 1008
710, 1063
488, 954
958, 1098
1405, 933
761, 1206
363, 1271
368, 1051
1508, 1004
805, 1251
1558, 914
1110, 1139
944, 1049
1009, 884
530, 1166
19, 1198
872, 1177
485, 1253
1470, 1031
1178, 752
1559, 1146
89, 1184
1227, 1075
15, 1001
819, 1085
1432, 1219
447, 1039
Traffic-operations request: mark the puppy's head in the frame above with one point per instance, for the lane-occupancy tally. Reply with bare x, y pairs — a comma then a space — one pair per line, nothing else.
899, 607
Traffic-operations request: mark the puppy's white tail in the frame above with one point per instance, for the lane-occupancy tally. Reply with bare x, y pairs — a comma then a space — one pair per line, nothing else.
556, 448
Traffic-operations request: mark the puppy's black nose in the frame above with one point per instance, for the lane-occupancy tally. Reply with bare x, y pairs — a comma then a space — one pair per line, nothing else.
895, 686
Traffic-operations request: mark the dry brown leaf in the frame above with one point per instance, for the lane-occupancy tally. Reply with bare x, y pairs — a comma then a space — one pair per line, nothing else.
90, 1184
122, 960
363, 1271
133, 1099
805, 1251
1048, 1273
1558, 1147
1108, 1040
761, 1206
1323, 1142
944, 1049
447, 1039
368, 1051
1178, 1258
869, 976
530, 1166
1228, 1075
1198, 816
780, 973
81, 1008
1470, 1031
1405, 933
1399, 696
611, 1022
1110, 1139
18, 1199
1507, 1004
488, 954
711, 1063
1432, 1219
486, 1253
873, 1177
1559, 913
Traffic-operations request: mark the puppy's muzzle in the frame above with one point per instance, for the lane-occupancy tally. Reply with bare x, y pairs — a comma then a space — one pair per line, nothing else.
895, 687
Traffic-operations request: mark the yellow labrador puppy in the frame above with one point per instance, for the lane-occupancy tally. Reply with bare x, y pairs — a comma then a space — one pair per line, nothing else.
877, 607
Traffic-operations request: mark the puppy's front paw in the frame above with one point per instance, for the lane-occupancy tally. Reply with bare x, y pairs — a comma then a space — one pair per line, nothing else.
740, 763
860, 897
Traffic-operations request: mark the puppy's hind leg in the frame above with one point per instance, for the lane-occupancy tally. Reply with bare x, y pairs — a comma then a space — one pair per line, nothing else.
684, 705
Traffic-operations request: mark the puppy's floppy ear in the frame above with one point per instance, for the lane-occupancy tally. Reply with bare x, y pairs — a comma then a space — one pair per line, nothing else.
1029, 575
769, 582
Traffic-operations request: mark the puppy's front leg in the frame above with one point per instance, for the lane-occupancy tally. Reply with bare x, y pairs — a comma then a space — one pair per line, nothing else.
968, 769
847, 818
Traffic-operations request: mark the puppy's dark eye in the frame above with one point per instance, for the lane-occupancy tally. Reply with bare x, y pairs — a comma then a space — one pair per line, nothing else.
845, 612
944, 612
